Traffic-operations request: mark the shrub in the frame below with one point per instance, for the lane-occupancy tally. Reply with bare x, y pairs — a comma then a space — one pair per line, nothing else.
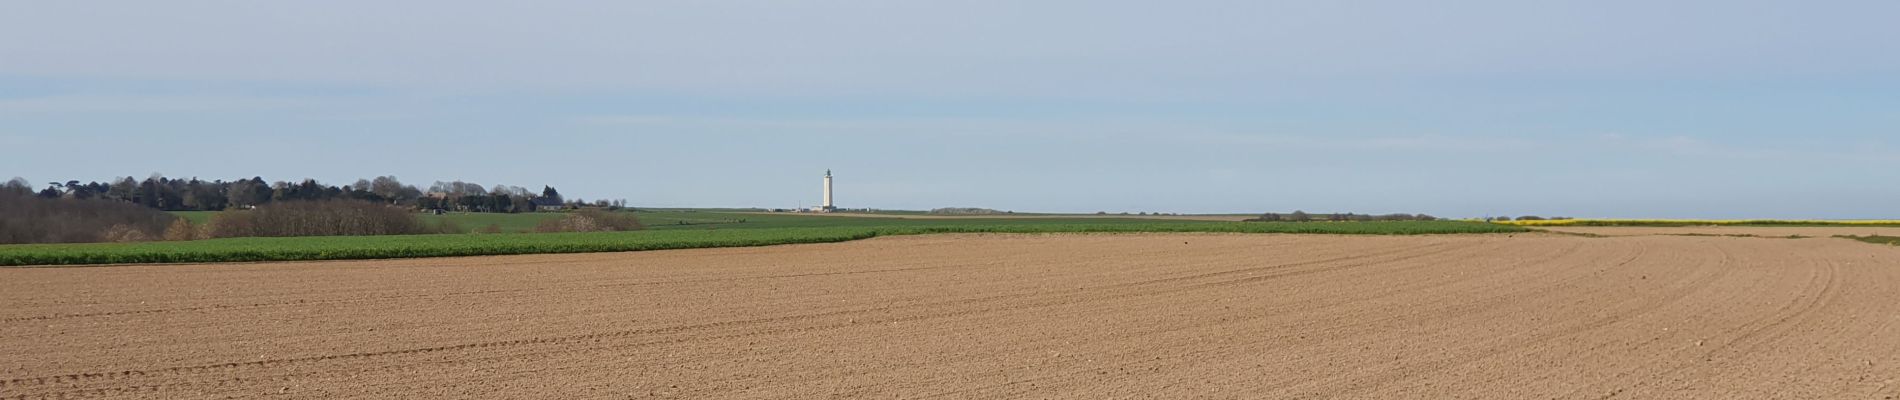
181, 230
317, 218
492, 228
591, 220
232, 223
123, 233
614, 221
568, 223
965, 211
31, 219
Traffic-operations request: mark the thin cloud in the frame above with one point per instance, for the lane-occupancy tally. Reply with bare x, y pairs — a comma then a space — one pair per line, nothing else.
137, 103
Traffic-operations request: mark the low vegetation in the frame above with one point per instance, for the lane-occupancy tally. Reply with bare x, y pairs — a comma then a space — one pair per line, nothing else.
1302, 216
32, 219
404, 246
36, 219
1886, 240
590, 220
475, 222
319, 218
966, 211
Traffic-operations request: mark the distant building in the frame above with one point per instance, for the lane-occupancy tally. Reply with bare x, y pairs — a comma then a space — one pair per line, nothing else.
827, 205
547, 204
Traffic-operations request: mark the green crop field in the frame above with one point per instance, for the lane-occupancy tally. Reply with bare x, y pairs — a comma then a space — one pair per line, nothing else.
196, 217
668, 230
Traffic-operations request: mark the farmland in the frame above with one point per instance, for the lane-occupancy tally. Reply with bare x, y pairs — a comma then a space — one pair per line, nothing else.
1176, 315
1886, 240
1730, 230
1699, 222
668, 230
667, 219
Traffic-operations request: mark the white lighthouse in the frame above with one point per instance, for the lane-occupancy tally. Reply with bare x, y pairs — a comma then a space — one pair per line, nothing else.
827, 207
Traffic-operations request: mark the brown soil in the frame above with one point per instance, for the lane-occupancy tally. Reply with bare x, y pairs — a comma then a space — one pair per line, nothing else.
987, 316
1762, 231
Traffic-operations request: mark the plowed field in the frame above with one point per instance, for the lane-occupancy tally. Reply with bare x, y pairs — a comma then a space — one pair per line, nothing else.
1762, 231
987, 316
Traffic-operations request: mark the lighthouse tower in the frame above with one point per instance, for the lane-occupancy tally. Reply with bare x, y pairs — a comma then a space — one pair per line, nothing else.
827, 207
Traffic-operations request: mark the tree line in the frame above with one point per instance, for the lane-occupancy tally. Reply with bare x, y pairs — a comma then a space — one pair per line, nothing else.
170, 194
126, 210
25, 218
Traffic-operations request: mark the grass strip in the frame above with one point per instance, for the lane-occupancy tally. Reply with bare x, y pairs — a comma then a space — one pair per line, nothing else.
1886, 240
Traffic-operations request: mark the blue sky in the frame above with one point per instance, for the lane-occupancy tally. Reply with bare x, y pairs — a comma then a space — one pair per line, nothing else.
1706, 109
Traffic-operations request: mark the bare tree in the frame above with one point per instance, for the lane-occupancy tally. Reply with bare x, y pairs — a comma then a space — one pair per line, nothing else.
17, 187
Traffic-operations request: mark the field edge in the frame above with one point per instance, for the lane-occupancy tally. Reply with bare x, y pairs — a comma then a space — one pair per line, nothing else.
460, 245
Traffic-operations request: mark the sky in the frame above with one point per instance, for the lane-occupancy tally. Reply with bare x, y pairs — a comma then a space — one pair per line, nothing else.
1630, 109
